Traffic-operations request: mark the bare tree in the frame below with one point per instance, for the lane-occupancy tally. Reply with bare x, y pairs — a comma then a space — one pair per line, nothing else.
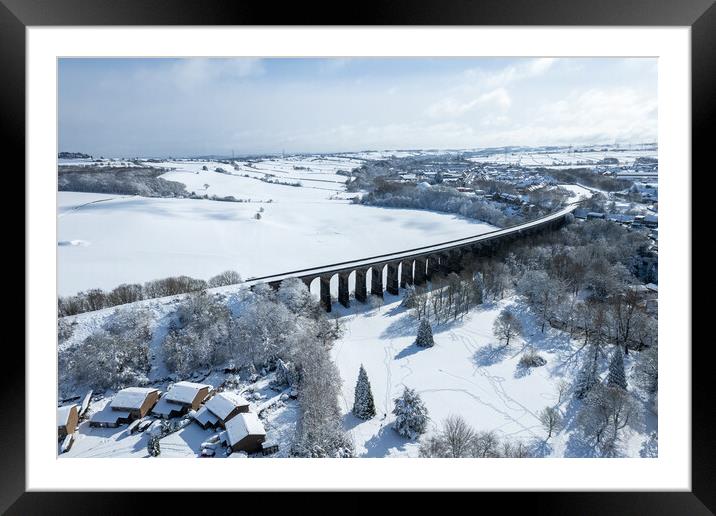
225, 278
551, 419
485, 444
507, 327
458, 436
605, 414
562, 388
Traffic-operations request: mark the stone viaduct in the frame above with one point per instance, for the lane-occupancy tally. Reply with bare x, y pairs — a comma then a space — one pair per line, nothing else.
411, 266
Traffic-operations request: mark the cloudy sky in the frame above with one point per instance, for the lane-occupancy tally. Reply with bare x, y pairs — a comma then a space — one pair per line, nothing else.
196, 106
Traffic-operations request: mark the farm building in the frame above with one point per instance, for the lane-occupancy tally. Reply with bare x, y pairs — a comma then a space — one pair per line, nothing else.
220, 409
138, 401
67, 418
245, 432
180, 398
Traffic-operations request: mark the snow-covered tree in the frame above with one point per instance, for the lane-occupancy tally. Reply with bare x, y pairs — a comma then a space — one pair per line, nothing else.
363, 405
199, 335
478, 288
425, 334
319, 432
485, 444
542, 293
409, 300
650, 447
551, 419
153, 446
262, 329
617, 376
458, 436
286, 374
646, 369
108, 360
225, 278
587, 377
507, 326
411, 414
606, 412
294, 294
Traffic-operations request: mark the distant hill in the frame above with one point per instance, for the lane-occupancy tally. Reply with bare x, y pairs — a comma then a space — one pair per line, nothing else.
73, 155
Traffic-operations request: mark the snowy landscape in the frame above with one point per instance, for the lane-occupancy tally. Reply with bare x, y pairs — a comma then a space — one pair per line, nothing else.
360, 303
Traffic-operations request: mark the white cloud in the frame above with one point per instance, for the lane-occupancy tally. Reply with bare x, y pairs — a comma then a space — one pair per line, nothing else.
491, 79
451, 108
192, 73
200, 106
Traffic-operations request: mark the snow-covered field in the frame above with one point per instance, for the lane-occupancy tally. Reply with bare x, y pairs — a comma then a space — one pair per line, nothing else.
563, 158
105, 240
580, 192
460, 375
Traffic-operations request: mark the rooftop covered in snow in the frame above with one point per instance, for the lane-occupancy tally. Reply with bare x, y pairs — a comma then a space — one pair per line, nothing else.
131, 398
243, 425
63, 414
108, 416
224, 403
185, 392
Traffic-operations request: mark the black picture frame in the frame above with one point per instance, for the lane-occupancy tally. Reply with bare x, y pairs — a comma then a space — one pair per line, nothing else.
700, 15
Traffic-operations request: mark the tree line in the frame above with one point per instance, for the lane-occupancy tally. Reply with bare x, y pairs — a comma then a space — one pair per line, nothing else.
97, 299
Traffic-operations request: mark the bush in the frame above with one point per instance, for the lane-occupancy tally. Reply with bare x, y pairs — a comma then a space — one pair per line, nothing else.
531, 358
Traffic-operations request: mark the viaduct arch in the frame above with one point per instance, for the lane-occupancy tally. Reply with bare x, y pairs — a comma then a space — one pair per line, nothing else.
411, 266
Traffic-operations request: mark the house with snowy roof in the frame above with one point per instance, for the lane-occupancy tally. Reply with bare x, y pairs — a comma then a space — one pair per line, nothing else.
221, 408
138, 401
181, 398
67, 418
245, 432
126, 406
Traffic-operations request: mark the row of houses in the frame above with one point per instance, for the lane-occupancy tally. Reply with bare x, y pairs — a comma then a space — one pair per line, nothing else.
240, 429
649, 220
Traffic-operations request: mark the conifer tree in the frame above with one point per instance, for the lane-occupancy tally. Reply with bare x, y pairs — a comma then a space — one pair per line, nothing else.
153, 446
363, 405
411, 414
617, 376
587, 377
425, 334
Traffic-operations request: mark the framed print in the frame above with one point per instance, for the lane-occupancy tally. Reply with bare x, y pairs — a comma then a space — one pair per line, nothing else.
417, 253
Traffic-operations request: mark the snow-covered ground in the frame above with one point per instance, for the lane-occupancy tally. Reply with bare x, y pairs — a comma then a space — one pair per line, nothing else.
562, 157
460, 375
579, 191
105, 240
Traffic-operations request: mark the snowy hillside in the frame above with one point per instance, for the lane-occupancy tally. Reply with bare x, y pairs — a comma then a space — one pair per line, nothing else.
464, 374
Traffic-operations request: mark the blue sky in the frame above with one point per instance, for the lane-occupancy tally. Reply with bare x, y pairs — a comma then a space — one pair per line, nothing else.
198, 106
